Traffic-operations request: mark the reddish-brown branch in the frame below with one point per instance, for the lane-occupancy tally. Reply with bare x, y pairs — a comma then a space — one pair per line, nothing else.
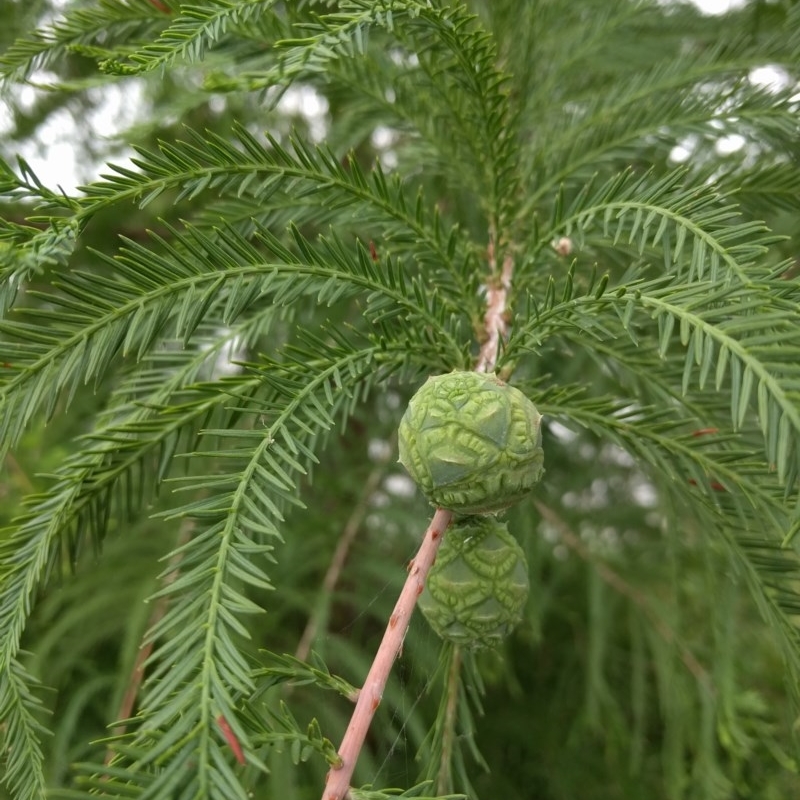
232, 740
495, 319
337, 783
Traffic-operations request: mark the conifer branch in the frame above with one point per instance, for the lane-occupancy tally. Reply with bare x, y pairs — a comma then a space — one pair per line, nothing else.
495, 323
338, 778
337, 782
260, 320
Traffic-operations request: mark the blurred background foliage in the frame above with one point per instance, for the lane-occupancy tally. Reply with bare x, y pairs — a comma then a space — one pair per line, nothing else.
643, 669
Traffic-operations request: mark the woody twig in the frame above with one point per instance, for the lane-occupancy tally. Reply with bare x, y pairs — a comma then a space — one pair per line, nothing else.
337, 782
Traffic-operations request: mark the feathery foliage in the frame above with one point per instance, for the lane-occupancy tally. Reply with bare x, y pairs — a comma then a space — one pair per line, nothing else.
206, 350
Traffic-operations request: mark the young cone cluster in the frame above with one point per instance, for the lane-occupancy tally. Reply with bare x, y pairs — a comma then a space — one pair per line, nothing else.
473, 445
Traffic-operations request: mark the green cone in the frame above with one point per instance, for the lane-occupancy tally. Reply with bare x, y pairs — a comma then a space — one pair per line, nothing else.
477, 588
471, 442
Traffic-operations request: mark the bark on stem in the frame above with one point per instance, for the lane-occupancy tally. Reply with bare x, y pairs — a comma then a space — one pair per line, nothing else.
337, 783
494, 321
